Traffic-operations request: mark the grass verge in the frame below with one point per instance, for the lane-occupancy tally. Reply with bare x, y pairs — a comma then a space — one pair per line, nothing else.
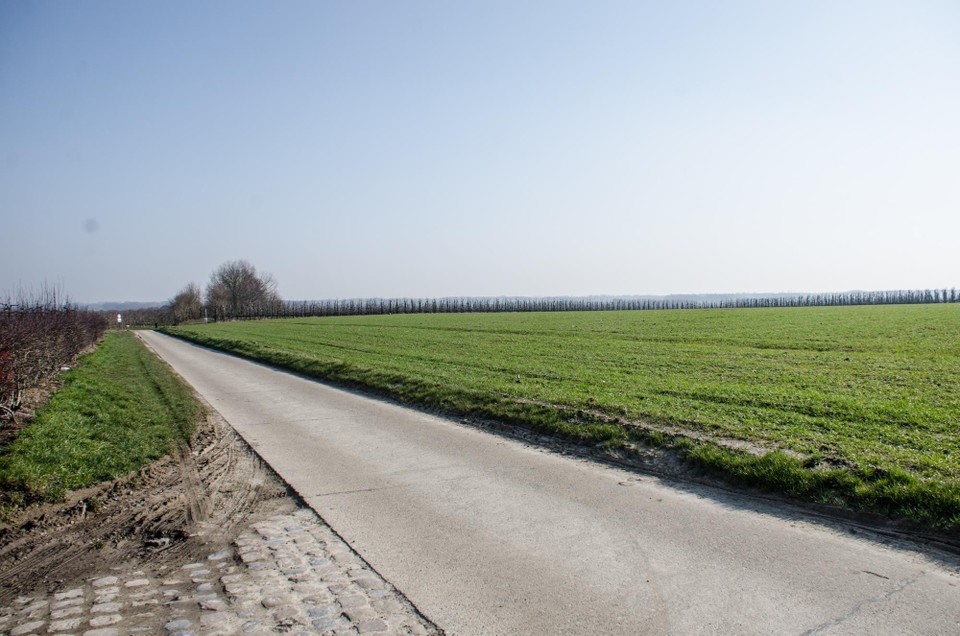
119, 409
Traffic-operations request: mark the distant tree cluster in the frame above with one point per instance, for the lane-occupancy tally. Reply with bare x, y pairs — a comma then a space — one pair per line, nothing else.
39, 333
235, 291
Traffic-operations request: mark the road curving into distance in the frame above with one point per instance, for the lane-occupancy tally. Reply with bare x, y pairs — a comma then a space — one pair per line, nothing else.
487, 535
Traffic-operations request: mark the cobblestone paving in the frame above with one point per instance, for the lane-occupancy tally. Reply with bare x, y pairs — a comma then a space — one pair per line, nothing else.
289, 574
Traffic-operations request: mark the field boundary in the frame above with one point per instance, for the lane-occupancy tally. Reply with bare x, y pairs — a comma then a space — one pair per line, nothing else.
769, 475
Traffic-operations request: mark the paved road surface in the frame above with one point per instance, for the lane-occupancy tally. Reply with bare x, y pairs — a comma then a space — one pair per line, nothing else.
487, 535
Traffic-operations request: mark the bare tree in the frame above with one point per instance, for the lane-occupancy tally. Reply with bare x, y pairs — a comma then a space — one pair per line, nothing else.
187, 304
236, 290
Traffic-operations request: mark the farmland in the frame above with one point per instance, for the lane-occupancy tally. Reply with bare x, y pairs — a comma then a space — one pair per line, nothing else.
857, 406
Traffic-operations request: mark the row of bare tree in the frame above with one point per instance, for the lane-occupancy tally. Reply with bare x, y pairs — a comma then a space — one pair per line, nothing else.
466, 304
39, 333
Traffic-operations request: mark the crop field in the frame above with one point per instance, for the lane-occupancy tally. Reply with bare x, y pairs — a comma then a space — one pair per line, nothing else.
860, 406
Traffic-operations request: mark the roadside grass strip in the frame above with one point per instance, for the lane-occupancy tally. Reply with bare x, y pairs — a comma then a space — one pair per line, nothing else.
850, 406
119, 409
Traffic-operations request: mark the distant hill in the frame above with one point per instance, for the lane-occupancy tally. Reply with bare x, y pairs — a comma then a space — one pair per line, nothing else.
124, 306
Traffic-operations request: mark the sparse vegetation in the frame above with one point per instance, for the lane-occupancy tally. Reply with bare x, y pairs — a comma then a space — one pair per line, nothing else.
856, 406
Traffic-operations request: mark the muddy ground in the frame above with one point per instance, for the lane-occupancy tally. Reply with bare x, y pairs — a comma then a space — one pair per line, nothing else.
174, 511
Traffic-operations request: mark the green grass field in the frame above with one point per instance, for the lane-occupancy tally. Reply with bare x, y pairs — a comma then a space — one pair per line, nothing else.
118, 410
862, 402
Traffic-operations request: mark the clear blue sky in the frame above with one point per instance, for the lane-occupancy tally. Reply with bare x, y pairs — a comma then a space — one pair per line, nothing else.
454, 148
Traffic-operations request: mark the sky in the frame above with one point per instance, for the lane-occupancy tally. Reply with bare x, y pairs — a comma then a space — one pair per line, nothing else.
385, 149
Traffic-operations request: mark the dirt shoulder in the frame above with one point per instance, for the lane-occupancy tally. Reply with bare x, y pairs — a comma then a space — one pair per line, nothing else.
173, 511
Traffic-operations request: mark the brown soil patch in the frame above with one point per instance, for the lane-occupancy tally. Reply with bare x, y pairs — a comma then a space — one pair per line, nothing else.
178, 509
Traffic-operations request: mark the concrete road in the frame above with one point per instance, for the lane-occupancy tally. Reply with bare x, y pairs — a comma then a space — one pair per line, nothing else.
490, 536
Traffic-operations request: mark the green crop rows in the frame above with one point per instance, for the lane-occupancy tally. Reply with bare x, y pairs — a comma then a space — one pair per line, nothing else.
865, 401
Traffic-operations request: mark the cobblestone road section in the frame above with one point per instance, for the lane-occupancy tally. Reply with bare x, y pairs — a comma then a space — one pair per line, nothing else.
290, 574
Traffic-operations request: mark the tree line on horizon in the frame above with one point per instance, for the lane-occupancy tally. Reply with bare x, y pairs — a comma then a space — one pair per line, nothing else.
236, 291
466, 304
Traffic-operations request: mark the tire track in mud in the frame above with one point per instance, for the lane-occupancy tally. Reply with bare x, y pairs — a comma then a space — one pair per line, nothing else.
174, 510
